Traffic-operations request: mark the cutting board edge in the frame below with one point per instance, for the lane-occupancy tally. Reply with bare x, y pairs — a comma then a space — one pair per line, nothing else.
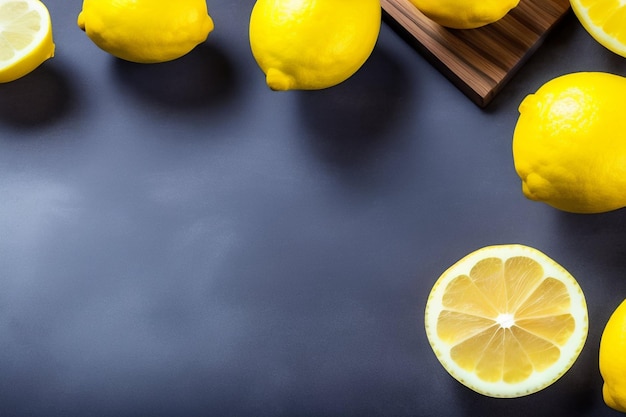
473, 95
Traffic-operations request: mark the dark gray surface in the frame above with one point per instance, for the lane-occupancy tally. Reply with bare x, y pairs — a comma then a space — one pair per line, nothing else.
178, 240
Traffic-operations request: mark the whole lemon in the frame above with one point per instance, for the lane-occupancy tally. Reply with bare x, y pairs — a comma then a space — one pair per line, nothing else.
312, 44
569, 144
146, 31
613, 360
464, 14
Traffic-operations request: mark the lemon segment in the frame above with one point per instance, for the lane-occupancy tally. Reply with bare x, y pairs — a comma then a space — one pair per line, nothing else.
312, 44
146, 31
605, 21
569, 143
25, 37
506, 320
465, 14
613, 361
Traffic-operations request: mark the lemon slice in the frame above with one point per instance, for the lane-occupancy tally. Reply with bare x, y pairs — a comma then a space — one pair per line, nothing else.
605, 20
25, 37
506, 320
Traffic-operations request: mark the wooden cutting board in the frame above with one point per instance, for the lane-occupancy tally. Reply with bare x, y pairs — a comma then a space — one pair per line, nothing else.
478, 61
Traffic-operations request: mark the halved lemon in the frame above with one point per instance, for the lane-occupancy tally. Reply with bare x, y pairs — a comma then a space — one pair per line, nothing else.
605, 20
506, 320
25, 37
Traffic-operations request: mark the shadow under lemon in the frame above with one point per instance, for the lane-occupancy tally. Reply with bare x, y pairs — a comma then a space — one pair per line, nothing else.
203, 77
349, 122
598, 237
572, 395
37, 99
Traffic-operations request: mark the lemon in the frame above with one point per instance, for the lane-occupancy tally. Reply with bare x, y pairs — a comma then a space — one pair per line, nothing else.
613, 359
464, 14
146, 31
25, 37
605, 20
569, 143
312, 44
506, 320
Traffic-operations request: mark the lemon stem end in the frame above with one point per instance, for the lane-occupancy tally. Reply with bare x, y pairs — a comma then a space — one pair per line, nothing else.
278, 80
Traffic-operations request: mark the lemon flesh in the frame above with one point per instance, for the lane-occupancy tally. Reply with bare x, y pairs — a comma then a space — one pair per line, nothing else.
465, 14
146, 31
613, 360
25, 37
605, 21
312, 44
506, 320
569, 143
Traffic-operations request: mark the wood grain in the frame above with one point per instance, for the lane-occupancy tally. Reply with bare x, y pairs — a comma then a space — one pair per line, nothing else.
478, 61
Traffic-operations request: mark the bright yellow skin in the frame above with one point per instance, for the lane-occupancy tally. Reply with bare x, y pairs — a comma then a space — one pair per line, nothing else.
312, 44
146, 31
465, 14
569, 144
613, 359
18, 63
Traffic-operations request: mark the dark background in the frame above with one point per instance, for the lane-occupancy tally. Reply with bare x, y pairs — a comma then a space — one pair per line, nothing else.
177, 240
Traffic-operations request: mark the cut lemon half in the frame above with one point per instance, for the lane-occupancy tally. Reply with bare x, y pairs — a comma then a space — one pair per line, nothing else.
506, 320
25, 37
605, 20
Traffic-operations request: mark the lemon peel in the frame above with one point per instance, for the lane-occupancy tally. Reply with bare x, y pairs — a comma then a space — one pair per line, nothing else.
465, 14
612, 360
569, 143
146, 31
312, 44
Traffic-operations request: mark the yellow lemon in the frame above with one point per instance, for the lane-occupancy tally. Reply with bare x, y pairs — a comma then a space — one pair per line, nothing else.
605, 20
613, 359
465, 14
506, 320
569, 144
25, 37
146, 31
312, 44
